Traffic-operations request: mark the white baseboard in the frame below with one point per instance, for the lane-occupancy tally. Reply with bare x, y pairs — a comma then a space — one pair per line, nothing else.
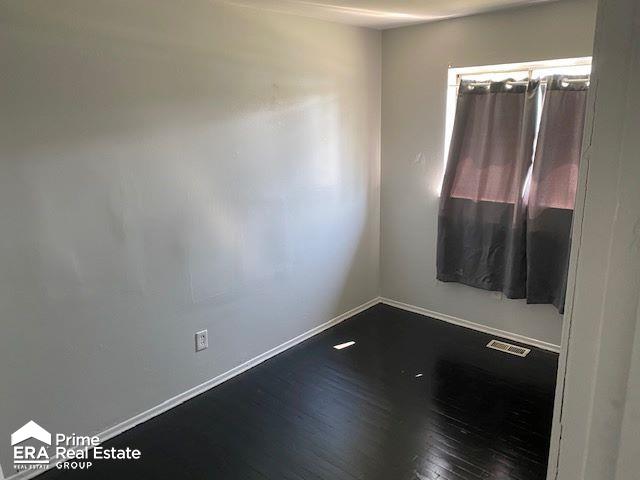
472, 325
203, 387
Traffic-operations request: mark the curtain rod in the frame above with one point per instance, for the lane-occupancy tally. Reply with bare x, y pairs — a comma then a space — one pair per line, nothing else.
525, 82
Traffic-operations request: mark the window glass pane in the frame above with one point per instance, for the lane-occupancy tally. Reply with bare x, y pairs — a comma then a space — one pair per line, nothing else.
566, 70
496, 76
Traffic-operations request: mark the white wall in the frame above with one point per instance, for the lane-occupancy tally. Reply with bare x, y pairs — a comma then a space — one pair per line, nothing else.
166, 167
597, 429
414, 78
628, 460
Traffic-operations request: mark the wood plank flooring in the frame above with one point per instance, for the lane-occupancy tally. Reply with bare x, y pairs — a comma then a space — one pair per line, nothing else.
414, 399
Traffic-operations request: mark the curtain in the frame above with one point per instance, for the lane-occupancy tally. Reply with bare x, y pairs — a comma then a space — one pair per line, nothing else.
505, 214
481, 221
553, 189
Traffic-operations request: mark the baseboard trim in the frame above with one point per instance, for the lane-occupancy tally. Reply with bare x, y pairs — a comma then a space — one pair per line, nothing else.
203, 387
215, 381
472, 325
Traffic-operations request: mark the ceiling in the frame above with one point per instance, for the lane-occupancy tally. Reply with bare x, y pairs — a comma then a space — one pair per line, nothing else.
382, 13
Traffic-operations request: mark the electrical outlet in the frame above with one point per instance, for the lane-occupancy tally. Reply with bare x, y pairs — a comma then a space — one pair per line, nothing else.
202, 340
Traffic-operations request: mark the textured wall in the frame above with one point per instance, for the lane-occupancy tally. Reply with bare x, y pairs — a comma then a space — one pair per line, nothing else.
166, 167
414, 79
600, 405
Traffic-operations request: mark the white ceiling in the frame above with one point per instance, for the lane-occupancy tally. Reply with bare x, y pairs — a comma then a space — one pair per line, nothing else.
382, 13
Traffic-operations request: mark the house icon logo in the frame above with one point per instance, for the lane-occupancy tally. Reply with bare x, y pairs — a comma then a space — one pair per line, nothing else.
30, 444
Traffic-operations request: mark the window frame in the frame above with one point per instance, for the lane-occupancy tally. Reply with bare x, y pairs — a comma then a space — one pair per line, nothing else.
519, 71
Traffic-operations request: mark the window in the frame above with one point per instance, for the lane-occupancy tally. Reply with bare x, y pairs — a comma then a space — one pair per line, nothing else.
515, 71
513, 140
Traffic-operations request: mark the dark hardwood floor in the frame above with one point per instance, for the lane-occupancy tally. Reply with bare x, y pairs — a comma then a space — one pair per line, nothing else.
414, 398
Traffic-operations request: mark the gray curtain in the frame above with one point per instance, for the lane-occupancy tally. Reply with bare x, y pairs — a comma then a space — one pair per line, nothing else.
481, 221
495, 231
553, 189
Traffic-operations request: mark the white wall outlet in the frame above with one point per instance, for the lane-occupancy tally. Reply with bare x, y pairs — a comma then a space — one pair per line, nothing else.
202, 340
